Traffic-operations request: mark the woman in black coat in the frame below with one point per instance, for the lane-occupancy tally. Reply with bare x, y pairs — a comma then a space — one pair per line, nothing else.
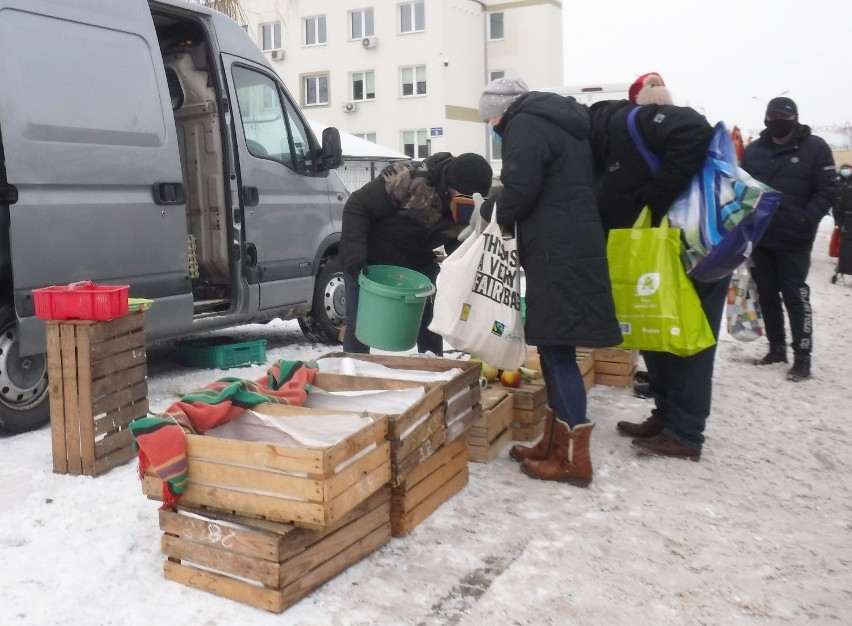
548, 194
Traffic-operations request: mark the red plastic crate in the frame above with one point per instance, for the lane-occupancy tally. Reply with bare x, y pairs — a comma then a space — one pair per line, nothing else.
81, 301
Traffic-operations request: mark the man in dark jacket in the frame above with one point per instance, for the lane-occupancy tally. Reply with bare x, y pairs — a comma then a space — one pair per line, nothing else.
678, 137
547, 193
788, 158
399, 218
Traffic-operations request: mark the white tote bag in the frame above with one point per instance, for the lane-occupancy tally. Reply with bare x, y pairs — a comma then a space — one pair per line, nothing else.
478, 302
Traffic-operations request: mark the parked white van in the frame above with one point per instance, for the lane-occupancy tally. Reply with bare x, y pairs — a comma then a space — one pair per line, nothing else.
150, 143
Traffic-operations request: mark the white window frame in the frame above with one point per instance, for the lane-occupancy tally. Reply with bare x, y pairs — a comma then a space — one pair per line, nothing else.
312, 27
274, 41
368, 77
421, 149
317, 80
368, 136
415, 73
502, 20
409, 10
367, 27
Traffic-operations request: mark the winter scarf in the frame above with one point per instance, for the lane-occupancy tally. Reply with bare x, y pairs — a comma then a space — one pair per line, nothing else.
160, 440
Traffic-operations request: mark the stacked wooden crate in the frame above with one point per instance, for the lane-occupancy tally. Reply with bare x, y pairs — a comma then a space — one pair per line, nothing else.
98, 384
615, 367
268, 565
586, 363
529, 408
493, 431
429, 445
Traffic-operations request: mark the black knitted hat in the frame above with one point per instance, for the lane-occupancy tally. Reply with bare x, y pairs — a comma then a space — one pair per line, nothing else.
469, 173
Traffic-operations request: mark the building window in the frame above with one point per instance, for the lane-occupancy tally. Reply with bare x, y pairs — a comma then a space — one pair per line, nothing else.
363, 86
415, 144
412, 17
371, 137
361, 24
414, 80
316, 90
495, 74
315, 30
270, 36
495, 26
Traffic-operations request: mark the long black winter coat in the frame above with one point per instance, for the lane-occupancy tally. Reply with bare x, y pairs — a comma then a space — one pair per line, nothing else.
677, 136
400, 217
547, 191
803, 171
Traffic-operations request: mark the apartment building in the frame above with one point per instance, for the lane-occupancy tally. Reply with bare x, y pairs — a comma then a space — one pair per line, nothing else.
407, 75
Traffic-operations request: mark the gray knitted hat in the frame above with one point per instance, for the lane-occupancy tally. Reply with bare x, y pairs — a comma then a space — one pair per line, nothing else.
498, 95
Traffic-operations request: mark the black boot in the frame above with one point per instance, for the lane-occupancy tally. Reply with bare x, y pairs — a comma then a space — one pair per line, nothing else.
801, 369
776, 354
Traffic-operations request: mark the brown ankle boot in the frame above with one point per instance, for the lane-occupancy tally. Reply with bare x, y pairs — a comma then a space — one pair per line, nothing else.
539, 451
569, 460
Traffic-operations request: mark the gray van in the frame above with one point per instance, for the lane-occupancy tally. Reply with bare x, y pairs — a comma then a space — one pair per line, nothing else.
150, 143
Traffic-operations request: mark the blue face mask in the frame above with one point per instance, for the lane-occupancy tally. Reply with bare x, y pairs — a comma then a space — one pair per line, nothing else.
495, 136
845, 172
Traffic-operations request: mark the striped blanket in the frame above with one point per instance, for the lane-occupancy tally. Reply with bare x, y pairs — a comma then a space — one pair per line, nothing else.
160, 440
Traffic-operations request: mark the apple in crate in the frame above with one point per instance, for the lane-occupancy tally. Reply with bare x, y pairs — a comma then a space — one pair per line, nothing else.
510, 378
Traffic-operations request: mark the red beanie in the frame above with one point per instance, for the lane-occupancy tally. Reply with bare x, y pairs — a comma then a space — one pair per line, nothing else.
637, 85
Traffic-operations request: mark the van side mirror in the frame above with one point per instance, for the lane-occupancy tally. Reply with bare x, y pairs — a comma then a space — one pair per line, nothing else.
331, 154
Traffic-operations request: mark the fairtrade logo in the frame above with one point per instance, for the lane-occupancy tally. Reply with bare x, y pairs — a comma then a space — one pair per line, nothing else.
465, 312
497, 328
648, 284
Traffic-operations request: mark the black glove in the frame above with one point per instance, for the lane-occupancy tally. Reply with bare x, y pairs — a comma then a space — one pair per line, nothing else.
486, 209
358, 268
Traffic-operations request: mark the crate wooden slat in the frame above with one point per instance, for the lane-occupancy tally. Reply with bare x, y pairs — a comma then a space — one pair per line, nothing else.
98, 384
488, 436
310, 487
463, 410
268, 565
431, 484
615, 367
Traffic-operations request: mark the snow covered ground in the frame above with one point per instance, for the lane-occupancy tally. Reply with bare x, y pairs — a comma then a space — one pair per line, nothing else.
758, 532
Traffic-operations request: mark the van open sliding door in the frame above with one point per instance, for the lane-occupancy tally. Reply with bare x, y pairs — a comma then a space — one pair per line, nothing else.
90, 147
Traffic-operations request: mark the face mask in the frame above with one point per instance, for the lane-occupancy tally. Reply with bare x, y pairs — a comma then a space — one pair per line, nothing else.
845, 172
780, 128
495, 136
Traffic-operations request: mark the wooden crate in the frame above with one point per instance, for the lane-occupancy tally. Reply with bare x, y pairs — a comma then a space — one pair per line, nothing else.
492, 432
586, 363
529, 406
615, 367
313, 488
98, 384
462, 411
413, 434
265, 564
431, 484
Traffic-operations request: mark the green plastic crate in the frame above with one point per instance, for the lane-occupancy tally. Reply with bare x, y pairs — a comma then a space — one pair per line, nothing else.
221, 352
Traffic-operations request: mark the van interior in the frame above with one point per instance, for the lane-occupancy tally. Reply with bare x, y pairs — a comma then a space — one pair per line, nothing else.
195, 104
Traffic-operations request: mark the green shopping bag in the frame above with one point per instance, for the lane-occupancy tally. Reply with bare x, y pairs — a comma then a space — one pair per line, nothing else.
655, 302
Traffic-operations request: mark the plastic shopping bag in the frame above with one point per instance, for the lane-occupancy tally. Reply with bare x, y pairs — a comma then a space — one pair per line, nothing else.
723, 213
745, 321
478, 302
655, 302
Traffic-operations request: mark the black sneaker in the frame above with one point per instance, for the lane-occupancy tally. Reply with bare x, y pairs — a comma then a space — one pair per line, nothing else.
776, 354
642, 385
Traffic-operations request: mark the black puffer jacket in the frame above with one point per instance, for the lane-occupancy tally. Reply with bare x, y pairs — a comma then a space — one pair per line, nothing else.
803, 171
399, 217
547, 191
677, 136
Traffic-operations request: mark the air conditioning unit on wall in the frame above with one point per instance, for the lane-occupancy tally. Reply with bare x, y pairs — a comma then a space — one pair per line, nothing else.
370, 42
349, 107
278, 55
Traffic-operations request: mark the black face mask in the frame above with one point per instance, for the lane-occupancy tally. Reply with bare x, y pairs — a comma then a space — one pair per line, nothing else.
780, 128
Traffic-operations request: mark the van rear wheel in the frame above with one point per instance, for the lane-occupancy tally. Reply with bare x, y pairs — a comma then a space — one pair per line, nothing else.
328, 311
23, 381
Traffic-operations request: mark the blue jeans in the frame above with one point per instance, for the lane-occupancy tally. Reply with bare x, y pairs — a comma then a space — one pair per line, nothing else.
683, 386
566, 393
427, 341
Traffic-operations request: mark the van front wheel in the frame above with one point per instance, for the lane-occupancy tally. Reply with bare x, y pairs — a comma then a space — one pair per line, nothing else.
23, 381
322, 324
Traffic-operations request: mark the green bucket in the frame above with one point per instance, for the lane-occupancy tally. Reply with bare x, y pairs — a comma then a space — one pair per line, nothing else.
390, 307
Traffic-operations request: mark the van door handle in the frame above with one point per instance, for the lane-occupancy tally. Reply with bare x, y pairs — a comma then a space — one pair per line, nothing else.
169, 193
251, 196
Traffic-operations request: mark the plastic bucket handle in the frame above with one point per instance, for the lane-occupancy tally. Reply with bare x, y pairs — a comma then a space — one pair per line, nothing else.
412, 299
